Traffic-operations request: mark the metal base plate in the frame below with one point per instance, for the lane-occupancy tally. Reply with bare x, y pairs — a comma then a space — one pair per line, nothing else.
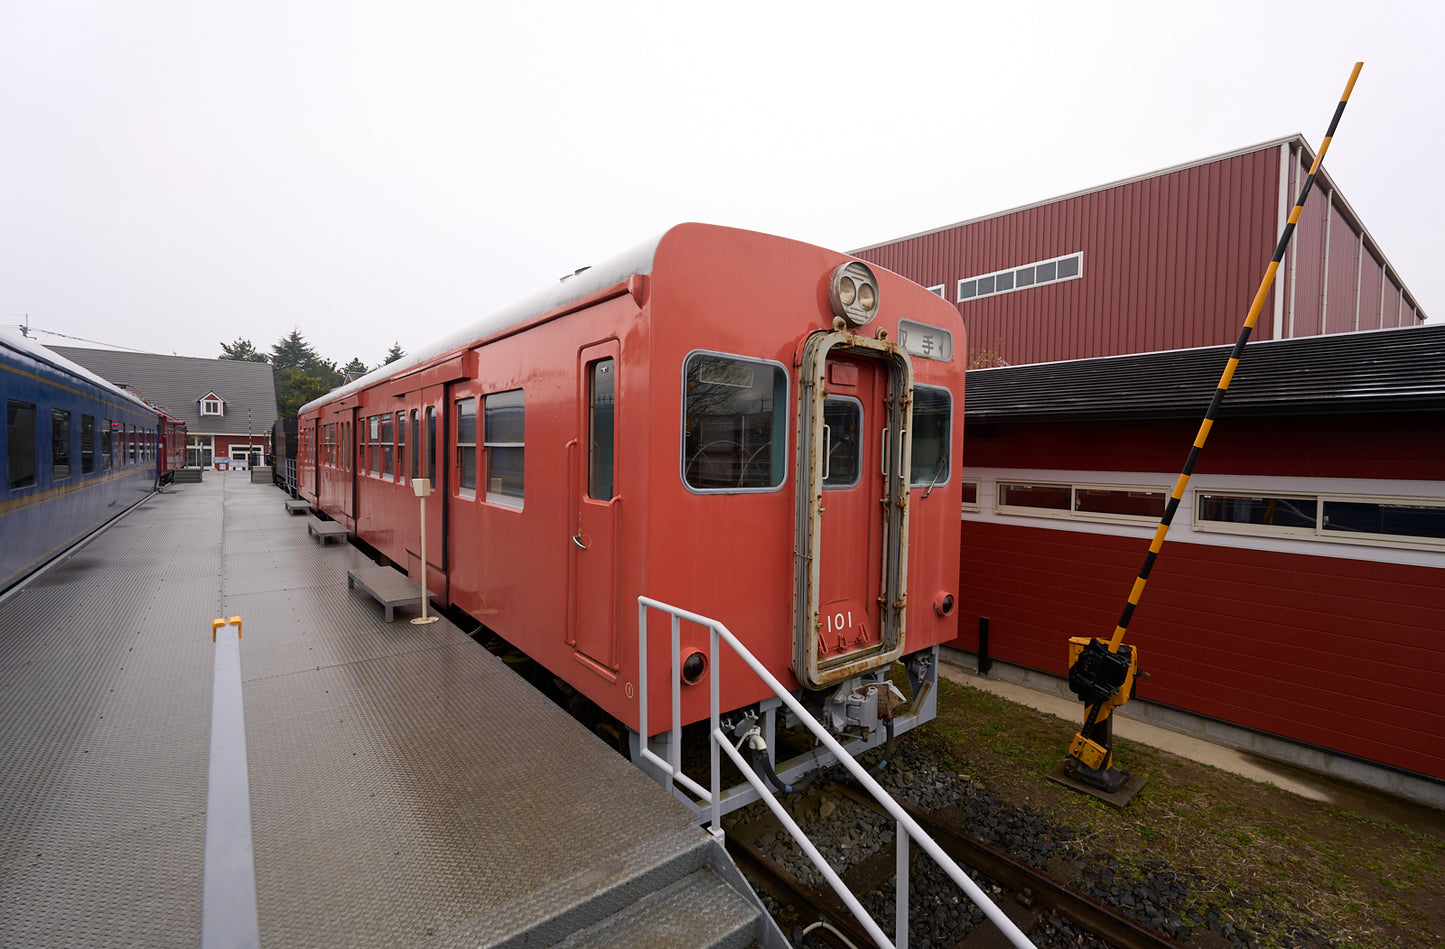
1119, 799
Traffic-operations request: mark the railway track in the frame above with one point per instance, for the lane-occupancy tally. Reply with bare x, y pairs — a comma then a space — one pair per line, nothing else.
1032, 898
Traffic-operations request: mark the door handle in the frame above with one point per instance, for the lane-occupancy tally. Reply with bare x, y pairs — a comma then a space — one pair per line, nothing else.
577, 539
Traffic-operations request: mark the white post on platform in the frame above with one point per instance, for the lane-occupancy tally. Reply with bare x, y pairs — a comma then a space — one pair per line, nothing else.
422, 487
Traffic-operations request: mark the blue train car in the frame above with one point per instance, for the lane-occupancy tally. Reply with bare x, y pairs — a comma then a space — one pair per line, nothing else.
77, 452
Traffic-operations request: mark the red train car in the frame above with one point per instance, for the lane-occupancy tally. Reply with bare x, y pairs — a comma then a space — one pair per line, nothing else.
172, 453
754, 429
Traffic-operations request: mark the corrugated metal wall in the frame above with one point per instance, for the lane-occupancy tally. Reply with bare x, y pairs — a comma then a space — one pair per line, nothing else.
1170, 261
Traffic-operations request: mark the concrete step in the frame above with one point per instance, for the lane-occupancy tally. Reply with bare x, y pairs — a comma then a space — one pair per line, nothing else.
700, 911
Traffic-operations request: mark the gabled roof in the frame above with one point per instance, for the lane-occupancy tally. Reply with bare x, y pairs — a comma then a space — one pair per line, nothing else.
1393, 370
178, 383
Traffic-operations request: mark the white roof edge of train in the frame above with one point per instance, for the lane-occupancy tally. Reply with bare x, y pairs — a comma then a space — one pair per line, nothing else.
610, 272
21, 343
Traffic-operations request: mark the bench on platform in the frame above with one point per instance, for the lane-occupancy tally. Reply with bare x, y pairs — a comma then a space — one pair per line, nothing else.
298, 507
389, 587
323, 531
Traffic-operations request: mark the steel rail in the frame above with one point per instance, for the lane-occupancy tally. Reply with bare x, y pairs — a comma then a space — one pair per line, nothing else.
1084, 911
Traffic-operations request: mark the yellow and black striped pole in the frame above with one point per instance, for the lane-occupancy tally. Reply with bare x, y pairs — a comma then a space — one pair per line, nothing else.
1097, 704
1230, 367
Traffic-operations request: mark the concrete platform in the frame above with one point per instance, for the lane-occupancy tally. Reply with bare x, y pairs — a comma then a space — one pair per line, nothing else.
405, 788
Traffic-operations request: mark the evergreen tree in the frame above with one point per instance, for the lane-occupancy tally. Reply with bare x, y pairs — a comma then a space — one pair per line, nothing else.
393, 354
354, 368
242, 351
293, 352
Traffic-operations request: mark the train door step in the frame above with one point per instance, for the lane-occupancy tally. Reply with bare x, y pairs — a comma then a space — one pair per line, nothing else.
389, 587
298, 507
323, 531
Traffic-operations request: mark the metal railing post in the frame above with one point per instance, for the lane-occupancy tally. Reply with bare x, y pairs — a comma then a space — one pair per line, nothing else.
901, 888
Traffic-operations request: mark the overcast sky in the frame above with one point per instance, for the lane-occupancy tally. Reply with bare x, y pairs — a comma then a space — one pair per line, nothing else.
175, 174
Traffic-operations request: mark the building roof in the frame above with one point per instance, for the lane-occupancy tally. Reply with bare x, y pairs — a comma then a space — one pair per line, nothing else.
178, 383
1393, 370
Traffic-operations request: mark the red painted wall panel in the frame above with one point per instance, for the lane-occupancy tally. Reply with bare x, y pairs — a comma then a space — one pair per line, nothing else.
1343, 270
1342, 654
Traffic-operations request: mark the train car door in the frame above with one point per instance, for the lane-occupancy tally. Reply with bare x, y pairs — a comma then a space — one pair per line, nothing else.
854, 448
426, 422
596, 504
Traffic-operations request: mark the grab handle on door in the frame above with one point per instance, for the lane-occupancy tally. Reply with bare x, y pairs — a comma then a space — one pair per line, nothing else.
827, 451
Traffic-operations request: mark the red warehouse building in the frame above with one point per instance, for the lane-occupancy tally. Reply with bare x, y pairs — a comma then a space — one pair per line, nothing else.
1297, 606
1167, 260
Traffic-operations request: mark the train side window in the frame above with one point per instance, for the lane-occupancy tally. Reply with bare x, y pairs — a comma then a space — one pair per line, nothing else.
600, 438
388, 445
87, 444
504, 440
932, 427
416, 446
373, 436
130, 444
734, 423
20, 443
107, 444
59, 444
401, 447
466, 446
431, 445
843, 417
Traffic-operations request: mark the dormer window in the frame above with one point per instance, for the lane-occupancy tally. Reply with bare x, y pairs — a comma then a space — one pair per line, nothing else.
211, 404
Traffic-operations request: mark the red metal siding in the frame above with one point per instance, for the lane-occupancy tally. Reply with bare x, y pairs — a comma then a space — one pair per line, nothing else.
1169, 261
1371, 275
1342, 267
1343, 654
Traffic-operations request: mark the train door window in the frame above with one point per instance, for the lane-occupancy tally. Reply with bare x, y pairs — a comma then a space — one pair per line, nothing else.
388, 445
87, 444
734, 424
842, 427
401, 447
932, 430
466, 446
431, 445
600, 426
59, 444
416, 446
107, 443
505, 428
20, 443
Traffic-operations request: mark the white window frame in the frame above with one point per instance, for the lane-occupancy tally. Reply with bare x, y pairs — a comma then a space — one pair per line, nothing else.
1318, 532
213, 407
1072, 513
1012, 271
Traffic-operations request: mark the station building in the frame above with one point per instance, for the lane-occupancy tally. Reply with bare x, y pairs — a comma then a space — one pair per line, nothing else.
1296, 607
228, 405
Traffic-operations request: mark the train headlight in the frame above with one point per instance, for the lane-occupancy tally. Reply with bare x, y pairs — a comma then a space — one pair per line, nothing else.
853, 293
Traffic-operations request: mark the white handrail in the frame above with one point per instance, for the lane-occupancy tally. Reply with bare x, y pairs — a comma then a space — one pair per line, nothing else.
906, 827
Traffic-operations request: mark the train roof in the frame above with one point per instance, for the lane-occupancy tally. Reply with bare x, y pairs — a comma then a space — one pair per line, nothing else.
569, 289
19, 343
